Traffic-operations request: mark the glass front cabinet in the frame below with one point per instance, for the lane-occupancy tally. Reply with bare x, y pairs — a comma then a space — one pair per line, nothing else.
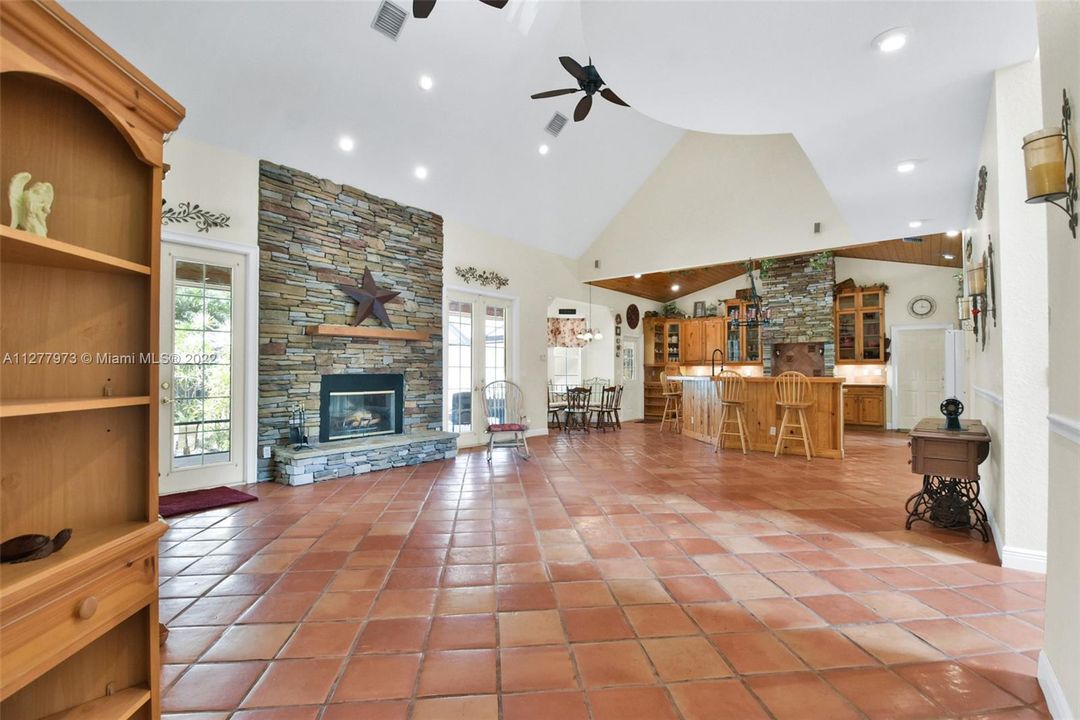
742, 344
860, 325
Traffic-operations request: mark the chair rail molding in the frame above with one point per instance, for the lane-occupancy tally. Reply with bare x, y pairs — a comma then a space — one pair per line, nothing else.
1066, 427
990, 395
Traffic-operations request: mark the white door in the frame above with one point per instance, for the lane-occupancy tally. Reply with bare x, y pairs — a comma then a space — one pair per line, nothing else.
477, 347
919, 362
633, 399
202, 389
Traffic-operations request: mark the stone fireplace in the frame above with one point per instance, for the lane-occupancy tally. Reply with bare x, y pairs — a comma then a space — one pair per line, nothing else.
377, 400
800, 300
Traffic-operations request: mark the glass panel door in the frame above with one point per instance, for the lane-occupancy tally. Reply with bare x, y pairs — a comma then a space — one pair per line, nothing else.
201, 428
871, 335
459, 367
477, 352
845, 333
202, 380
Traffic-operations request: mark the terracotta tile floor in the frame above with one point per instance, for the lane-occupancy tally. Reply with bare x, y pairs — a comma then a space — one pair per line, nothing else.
621, 575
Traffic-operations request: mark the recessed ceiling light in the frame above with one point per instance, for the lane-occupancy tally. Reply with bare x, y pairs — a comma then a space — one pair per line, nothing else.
891, 40
637, 276
948, 256
346, 143
543, 149
674, 288
420, 172
906, 166
952, 233
426, 83
915, 224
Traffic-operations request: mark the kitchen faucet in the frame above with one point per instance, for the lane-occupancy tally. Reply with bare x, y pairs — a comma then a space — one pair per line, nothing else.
713, 361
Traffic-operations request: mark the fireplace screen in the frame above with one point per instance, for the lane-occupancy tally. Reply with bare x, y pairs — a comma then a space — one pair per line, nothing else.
361, 413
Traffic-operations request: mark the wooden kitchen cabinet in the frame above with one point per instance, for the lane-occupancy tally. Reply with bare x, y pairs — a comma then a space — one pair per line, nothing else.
693, 342
860, 325
864, 405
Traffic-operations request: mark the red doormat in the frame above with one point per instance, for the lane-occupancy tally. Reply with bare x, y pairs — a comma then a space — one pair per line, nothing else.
185, 502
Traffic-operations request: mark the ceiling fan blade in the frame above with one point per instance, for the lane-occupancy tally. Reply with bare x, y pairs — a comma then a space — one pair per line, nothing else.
500, 4
554, 93
573, 67
609, 95
422, 8
582, 109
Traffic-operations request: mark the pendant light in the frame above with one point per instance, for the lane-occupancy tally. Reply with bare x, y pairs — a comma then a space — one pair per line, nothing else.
590, 334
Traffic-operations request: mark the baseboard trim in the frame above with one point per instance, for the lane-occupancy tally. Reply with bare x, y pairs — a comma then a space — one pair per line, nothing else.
1023, 559
995, 531
993, 397
1014, 557
1052, 690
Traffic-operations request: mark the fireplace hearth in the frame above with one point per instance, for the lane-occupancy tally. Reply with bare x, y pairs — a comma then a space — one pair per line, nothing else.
358, 405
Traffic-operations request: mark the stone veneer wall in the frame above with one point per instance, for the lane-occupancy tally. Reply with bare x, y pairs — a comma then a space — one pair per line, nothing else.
314, 234
801, 302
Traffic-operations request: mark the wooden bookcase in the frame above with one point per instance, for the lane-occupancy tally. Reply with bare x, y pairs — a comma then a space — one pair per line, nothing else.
79, 628
860, 326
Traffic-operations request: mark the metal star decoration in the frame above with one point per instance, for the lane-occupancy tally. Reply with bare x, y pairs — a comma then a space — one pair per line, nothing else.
369, 299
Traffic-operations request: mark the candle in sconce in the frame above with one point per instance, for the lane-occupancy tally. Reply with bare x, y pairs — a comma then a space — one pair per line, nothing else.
1044, 164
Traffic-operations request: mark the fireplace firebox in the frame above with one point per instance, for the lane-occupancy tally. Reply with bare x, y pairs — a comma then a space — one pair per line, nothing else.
359, 405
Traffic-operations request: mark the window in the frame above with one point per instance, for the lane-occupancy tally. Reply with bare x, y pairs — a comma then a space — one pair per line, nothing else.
629, 363
564, 366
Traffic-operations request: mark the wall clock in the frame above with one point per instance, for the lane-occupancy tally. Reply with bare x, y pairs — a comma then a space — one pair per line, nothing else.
633, 316
921, 306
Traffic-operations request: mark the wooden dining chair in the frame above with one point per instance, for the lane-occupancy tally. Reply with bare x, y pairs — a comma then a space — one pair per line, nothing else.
731, 394
578, 411
605, 411
794, 394
555, 407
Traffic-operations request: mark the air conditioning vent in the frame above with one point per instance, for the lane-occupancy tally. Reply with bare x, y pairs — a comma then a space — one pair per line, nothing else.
567, 311
912, 239
389, 19
556, 124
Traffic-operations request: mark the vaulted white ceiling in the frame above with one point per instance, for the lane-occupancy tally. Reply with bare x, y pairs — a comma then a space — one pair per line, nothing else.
811, 69
283, 80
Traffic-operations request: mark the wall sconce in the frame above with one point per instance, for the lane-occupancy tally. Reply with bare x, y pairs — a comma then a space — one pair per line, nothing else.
1048, 155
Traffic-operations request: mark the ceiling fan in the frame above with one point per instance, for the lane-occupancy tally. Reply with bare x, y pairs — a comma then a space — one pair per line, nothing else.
423, 8
589, 82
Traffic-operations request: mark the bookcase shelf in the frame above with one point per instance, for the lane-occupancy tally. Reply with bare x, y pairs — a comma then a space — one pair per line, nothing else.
19, 246
46, 406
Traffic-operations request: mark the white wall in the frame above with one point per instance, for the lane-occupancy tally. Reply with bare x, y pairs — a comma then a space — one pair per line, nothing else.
536, 279
715, 199
221, 181
1011, 372
1059, 669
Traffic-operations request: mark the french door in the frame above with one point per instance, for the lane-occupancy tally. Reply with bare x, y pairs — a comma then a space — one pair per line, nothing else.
477, 349
202, 387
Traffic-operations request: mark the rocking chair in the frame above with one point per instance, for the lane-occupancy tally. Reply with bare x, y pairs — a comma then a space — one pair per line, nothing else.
504, 414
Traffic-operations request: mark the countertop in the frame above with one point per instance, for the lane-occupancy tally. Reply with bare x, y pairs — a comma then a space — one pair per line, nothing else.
769, 379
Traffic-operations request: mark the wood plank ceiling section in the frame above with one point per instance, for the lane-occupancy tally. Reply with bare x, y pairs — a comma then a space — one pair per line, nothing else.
657, 286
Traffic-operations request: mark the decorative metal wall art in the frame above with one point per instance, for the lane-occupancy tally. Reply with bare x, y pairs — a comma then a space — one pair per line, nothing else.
187, 212
991, 280
370, 299
469, 274
980, 196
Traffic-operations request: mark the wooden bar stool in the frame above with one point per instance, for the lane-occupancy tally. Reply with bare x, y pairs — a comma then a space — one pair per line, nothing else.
672, 402
731, 392
794, 395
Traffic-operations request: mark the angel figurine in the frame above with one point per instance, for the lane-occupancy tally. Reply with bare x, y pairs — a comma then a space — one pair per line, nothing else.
30, 207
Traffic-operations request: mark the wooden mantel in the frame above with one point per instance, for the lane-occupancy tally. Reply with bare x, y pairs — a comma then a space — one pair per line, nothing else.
357, 331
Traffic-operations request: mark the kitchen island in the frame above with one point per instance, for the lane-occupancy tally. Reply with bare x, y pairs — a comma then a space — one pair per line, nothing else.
701, 413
